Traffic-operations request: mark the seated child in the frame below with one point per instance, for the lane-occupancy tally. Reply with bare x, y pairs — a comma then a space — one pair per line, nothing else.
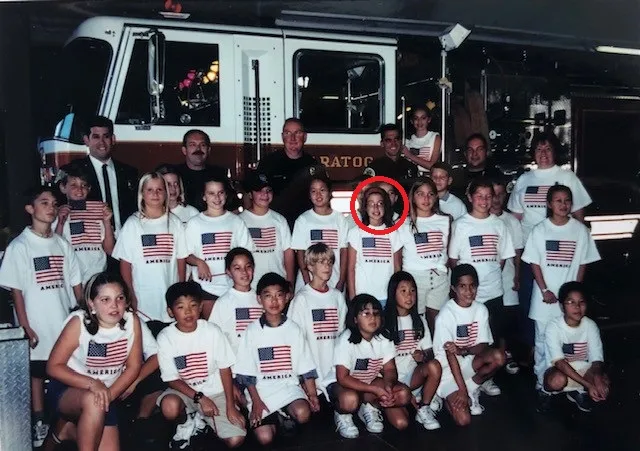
461, 344
417, 368
574, 352
272, 357
366, 375
195, 360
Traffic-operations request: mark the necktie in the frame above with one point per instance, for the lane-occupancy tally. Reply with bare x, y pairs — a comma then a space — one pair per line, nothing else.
107, 191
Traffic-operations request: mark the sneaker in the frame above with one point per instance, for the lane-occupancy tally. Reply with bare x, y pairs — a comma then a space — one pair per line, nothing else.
436, 404
345, 426
475, 408
543, 403
371, 417
287, 425
490, 388
581, 400
426, 417
512, 367
39, 433
200, 425
182, 437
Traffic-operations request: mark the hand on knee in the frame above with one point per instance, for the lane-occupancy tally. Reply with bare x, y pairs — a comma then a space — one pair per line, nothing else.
90, 407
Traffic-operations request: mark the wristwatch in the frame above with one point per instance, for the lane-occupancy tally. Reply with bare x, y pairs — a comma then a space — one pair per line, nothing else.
197, 397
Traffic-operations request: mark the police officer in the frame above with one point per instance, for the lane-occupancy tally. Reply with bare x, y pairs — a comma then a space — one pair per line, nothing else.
478, 166
392, 164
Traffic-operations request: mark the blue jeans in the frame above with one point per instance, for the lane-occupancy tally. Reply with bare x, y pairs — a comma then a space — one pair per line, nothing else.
527, 283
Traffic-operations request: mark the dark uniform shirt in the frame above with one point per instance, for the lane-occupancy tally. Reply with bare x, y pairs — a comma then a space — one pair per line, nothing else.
194, 181
398, 170
462, 177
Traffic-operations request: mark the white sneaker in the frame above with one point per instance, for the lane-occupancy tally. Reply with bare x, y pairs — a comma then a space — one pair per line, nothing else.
426, 417
475, 408
345, 426
200, 425
490, 388
371, 417
182, 438
436, 404
39, 433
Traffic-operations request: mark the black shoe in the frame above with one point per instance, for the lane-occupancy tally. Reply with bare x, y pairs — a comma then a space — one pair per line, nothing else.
543, 404
581, 400
286, 424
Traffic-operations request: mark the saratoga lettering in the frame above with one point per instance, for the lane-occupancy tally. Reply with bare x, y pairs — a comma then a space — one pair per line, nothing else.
332, 161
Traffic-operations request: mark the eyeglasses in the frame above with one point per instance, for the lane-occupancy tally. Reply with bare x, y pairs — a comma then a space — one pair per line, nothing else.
369, 313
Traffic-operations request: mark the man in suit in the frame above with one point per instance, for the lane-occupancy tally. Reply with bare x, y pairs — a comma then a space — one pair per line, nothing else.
121, 187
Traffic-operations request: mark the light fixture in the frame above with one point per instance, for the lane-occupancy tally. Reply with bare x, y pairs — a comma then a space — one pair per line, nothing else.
453, 36
618, 50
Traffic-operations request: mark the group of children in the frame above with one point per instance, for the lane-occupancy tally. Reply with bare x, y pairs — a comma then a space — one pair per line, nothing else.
377, 325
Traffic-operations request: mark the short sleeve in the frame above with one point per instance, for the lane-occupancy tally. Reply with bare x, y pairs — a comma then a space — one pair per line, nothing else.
223, 354
388, 350
125, 244
580, 196
553, 343
455, 244
342, 351
242, 237
595, 343
299, 236
353, 238
180, 239
245, 360
484, 331
304, 358
533, 249
296, 310
149, 344
11, 275
590, 253
221, 315
285, 234
75, 275
426, 342
343, 232
515, 200
517, 235
342, 312
505, 243
396, 243
445, 332
168, 370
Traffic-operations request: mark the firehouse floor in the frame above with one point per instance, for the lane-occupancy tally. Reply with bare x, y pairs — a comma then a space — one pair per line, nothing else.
510, 421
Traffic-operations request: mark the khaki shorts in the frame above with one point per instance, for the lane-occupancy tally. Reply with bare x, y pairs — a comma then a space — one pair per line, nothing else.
220, 424
433, 288
448, 384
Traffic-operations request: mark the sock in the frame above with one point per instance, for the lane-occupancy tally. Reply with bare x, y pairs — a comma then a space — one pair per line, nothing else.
37, 416
472, 386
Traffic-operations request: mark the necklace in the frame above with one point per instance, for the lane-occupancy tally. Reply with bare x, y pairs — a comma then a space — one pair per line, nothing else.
49, 234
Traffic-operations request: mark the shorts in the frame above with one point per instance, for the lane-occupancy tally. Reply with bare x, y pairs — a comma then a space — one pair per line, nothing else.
278, 398
447, 382
56, 389
571, 384
220, 424
433, 288
38, 369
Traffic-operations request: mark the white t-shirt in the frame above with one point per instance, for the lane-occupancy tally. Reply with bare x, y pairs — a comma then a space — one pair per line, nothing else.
271, 237
275, 356
210, 239
85, 231
366, 359
451, 204
321, 318
424, 144
43, 269
580, 346
233, 312
184, 212
464, 326
153, 247
102, 356
195, 357
374, 260
311, 228
149, 343
529, 196
510, 296
405, 362
425, 248
559, 251
482, 243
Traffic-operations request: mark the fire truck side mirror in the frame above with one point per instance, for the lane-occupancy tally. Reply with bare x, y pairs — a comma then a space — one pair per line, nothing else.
156, 63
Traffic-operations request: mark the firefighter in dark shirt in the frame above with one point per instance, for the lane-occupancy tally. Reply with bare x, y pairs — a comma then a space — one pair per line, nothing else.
392, 164
478, 166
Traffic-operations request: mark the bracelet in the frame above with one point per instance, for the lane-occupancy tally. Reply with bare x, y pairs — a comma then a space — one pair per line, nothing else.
197, 397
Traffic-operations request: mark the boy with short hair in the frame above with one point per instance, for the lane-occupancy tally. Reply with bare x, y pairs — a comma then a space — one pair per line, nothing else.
239, 306
450, 204
39, 267
320, 311
272, 357
195, 360
86, 224
574, 352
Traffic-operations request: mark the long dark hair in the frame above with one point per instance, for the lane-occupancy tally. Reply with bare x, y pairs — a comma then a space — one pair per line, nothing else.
387, 219
557, 188
358, 304
91, 290
391, 311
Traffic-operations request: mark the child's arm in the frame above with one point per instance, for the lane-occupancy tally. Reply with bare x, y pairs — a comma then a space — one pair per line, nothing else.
109, 241
390, 378
233, 414
397, 260
63, 214
312, 393
133, 363
257, 405
461, 397
147, 370
204, 273
23, 321
346, 380
352, 255
344, 256
581, 271
435, 155
290, 266
453, 262
127, 275
182, 269
547, 295
303, 267
516, 264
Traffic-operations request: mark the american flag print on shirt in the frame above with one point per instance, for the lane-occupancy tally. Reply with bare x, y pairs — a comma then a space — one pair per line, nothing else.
376, 247
216, 243
428, 242
245, 316
560, 251
85, 232
408, 341
192, 366
575, 351
158, 245
49, 269
107, 355
484, 246
325, 320
536, 195
275, 359
326, 236
466, 335
86, 210
366, 370
263, 238
425, 152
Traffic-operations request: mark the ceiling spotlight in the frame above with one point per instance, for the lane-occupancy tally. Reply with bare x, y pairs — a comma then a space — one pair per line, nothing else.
453, 36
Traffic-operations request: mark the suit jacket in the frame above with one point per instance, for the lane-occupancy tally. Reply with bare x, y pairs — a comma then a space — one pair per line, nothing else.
127, 179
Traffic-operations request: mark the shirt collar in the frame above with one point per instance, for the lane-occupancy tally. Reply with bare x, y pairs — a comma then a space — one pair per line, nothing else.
263, 321
98, 164
446, 196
